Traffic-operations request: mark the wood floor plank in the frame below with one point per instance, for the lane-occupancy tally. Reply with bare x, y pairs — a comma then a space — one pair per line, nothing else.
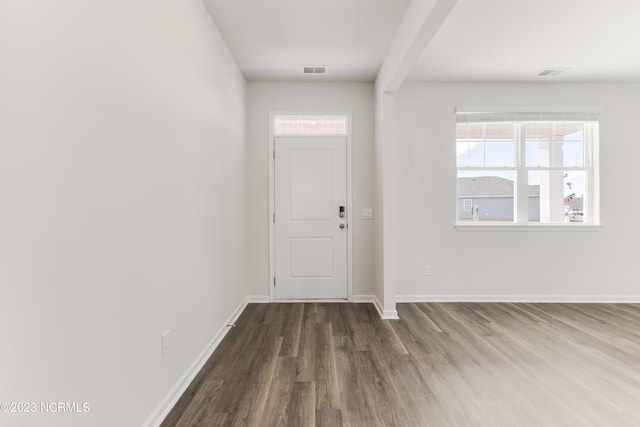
306, 365
355, 319
420, 406
441, 364
291, 329
375, 390
326, 373
302, 408
276, 410
252, 403
328, 418
196, 407
338, 319
356, 410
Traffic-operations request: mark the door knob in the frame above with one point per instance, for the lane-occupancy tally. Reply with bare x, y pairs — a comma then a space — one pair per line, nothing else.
341, 225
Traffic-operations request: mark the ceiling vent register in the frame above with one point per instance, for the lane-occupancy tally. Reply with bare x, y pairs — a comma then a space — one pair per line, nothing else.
314, 69
552, 72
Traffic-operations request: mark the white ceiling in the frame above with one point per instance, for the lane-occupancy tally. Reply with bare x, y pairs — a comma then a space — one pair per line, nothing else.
272, 39
481, 40
514, 40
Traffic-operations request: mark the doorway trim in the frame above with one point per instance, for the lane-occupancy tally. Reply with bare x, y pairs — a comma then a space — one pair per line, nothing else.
272, 269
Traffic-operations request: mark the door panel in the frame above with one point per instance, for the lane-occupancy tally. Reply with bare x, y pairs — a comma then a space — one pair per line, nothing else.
311, 184
310, 246
311, 257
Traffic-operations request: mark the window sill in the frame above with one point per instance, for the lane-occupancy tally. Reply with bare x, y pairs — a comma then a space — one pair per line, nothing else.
527, 227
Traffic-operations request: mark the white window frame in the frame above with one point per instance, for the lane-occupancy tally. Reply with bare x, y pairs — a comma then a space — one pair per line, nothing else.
519, 116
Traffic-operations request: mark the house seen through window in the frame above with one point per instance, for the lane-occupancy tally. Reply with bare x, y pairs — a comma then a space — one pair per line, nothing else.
527, 168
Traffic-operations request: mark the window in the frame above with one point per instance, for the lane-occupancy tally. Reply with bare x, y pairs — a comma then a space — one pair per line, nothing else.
309, 125
527, 168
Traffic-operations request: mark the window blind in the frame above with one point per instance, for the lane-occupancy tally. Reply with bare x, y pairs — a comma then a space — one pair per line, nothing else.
526, 116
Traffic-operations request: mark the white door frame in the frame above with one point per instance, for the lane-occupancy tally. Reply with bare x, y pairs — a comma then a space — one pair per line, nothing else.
272, 268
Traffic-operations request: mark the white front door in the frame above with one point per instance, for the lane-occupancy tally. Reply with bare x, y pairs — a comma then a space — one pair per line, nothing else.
310, 218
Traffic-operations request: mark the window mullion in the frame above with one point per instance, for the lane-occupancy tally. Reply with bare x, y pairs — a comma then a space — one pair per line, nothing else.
484, 145
522, 178
590, 192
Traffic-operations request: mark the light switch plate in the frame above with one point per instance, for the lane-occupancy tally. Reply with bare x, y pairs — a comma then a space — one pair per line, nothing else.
165, 343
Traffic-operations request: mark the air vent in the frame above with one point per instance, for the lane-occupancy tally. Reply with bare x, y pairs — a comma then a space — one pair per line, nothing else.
314, 69
552, 72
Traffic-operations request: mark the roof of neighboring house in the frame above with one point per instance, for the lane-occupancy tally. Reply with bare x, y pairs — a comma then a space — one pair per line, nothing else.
490, 186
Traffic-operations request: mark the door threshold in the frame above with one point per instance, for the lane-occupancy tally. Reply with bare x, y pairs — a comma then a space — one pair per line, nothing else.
312, 300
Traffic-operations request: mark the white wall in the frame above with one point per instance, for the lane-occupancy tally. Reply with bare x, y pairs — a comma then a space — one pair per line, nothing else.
122, 177
264, 97
514, 263
378, 231
390, 213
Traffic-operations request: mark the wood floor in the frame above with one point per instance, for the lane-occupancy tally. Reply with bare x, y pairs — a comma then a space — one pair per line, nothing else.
445, 364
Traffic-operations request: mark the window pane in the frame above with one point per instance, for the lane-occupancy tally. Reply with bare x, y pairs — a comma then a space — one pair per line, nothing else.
485, 144
310, 127
554, 144
305, 125
556, 196
500, 132
486, 196
469, 144
284, 126
335, 126
573, 154
470, 153
470, 131
500, 153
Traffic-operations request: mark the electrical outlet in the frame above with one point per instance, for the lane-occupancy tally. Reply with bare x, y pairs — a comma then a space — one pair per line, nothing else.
426, 270
165, 343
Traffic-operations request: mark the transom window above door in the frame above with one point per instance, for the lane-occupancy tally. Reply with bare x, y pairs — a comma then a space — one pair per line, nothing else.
309, 125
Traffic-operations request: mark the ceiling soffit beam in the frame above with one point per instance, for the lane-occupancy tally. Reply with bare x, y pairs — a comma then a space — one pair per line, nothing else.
419, 25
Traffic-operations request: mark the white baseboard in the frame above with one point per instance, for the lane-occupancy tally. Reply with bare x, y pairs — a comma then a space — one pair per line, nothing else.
372, 299
522, 298
364, 299
257, 299
161, 412
390, 314
311, 300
